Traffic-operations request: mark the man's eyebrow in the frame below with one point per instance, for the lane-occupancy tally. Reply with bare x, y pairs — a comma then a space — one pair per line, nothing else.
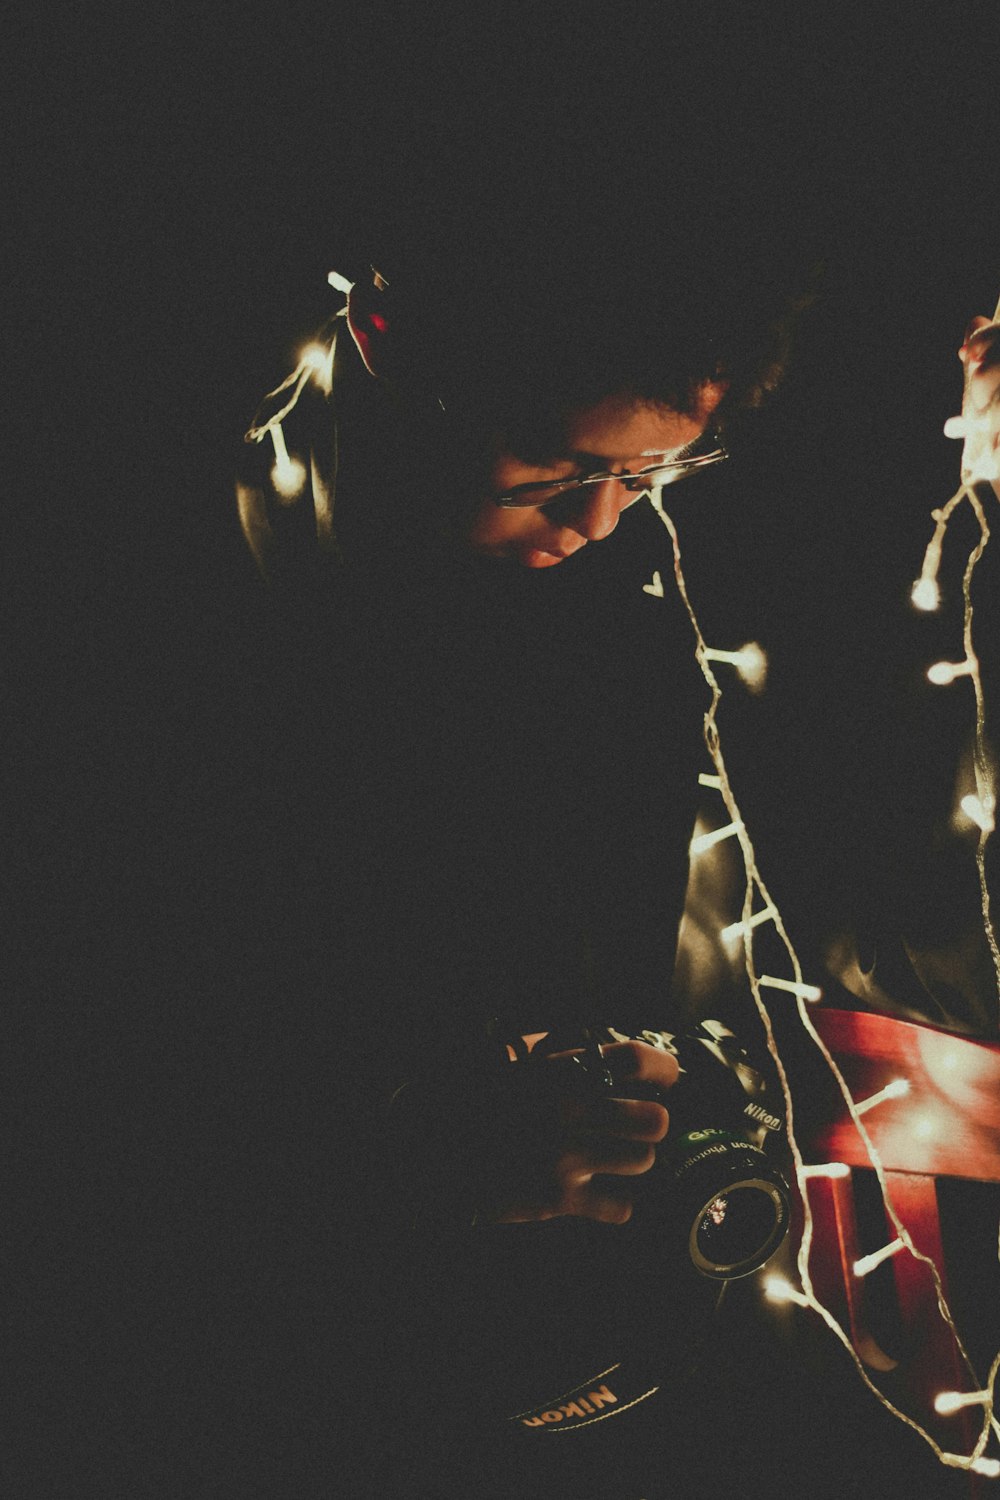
601, 460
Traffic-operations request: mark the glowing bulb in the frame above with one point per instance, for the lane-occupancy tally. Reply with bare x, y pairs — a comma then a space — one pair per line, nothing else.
314, 357
752, 666
340, 283
956, 427
288, 475
806, 991
894, 1090
288, 479
943, 672
952, 1401
778, 1289
749, 661
979, 811
867, 1263
706, 780
925, 594
706, 840
831, 1169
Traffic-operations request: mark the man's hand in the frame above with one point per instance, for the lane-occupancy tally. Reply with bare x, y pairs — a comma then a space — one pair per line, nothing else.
979, 424
576, 1151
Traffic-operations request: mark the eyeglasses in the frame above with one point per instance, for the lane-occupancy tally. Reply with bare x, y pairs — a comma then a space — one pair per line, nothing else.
544, 491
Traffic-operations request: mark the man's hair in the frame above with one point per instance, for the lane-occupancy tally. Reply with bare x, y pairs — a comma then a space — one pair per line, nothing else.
520, 310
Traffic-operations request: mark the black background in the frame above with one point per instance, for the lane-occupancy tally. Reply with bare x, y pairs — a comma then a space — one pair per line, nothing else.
180, 186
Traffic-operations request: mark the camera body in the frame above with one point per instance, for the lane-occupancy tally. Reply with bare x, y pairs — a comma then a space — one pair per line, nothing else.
714, 1183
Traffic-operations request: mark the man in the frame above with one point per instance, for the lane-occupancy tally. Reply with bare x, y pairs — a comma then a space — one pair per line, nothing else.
503, 722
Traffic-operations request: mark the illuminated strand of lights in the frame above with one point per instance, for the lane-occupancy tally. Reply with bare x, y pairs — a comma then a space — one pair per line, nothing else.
868, 1263
895, 1090
706, 840
809, 992
980, 755
928, 577
749, 661
755, 883
944, 672
740, 929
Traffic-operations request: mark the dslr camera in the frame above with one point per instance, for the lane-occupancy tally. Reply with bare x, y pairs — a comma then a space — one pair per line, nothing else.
715, 1188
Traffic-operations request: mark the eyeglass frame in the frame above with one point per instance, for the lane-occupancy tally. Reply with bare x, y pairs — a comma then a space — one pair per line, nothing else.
640, 481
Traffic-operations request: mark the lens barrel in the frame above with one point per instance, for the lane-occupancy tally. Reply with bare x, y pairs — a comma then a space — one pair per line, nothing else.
733, 1201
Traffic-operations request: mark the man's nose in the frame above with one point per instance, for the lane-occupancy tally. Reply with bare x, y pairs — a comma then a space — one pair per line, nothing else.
596, 508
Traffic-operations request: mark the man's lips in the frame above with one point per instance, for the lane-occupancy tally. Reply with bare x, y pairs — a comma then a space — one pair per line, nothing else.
540, 557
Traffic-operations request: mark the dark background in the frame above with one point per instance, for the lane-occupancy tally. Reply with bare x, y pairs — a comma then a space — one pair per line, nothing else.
179, 188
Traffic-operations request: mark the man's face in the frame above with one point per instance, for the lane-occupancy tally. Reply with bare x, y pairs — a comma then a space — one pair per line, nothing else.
617, 434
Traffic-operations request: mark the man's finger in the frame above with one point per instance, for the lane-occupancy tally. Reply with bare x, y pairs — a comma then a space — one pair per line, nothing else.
638, 1062
630, 1119
615, 1159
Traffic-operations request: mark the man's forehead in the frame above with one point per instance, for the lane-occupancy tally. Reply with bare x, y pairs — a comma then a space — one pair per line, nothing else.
587, 457
615, 429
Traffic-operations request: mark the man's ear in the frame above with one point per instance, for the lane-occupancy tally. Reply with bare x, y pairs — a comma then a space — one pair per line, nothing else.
370, 319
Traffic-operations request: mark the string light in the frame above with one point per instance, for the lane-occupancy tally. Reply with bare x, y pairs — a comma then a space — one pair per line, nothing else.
895, 1090
318, 360
951, 1401
979, 811
749, 661
926, 594
706, 840
868, 1263
944, 672
740, 929
980, 461
810, 992
780, 1289
288, 474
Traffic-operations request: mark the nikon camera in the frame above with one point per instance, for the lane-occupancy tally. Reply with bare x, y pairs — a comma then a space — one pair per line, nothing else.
714, 1185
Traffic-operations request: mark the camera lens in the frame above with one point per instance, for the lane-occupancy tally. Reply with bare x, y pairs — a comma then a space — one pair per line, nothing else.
737, 1231
734, 1202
